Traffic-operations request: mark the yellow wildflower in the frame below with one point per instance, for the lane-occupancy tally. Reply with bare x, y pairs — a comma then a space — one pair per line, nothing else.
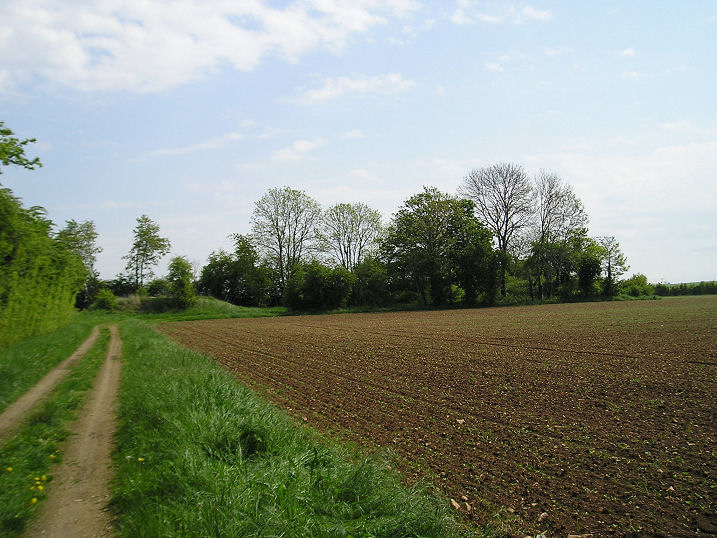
40, 488
44, 478
140, 459
33, 500
9, 469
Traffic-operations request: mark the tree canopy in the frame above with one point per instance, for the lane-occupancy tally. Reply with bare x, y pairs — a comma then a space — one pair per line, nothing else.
147, 249
12, 150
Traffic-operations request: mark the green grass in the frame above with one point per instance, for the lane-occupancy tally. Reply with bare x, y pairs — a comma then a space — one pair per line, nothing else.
26, 461
198, 454
211, 308
23, 364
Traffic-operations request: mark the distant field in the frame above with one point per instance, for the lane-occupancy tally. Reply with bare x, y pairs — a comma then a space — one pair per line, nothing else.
595, 417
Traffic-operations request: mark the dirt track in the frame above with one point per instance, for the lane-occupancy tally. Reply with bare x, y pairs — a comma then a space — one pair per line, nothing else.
12, 417
78, 495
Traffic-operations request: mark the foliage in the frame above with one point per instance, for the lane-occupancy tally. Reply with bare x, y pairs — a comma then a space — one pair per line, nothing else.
180, 282
200, 455
316, 287
701, 288
236, 277
12, 150
637, 286
614, 264
105, 300
351, 232
372, 284
40, 274
147, 249
285, 226
433, 242
80, 237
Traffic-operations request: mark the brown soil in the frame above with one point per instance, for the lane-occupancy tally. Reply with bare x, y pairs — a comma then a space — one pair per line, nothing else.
11, 418
78, 495
591, 418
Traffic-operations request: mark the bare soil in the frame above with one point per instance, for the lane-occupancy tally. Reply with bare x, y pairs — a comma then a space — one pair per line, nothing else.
78, 495
11, 418
573, 419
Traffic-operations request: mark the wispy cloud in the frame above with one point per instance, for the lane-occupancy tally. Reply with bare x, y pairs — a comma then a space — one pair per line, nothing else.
631, 75
465, 14
362, 86
214, 143
353, 134
627, 53
298, 150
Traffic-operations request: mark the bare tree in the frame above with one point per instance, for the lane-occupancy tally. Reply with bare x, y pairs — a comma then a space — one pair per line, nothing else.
502, 194
284, 228
350, 232
559, 215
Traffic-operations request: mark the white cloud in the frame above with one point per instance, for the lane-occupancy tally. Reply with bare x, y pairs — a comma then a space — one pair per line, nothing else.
214, 143
464, 14
150, 45
627, 53
494, 66
555, 51
353, 134
632, 75
536, 14
459, 17
298, 150
335, 88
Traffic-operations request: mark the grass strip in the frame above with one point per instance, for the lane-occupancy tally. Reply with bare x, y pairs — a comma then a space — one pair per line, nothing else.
23, 364
211, 308
26, 460
199, 454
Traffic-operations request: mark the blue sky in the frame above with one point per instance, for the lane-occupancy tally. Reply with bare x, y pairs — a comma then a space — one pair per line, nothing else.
190, 110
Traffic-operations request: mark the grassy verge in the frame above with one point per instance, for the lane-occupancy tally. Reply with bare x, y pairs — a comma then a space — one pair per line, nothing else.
198, 454
211, 308
26, 460
23, 364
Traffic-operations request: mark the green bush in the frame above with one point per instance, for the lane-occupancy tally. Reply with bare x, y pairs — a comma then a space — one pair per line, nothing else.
317, 287
105, 300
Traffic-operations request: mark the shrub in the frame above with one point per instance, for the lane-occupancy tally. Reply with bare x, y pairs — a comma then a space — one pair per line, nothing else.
105, 300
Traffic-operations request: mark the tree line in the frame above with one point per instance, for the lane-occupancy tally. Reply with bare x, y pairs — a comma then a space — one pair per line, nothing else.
503, 237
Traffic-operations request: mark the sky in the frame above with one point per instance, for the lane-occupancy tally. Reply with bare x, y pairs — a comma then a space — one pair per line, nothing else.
190, 110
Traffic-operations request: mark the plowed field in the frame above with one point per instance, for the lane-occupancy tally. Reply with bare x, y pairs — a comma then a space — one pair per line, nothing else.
582, 418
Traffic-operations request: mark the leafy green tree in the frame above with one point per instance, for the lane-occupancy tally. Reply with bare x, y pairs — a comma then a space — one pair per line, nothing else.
285, 228
180, 282
614, 263
433, 242
372, 285
315, 286
350, 232
40, 274
81, 237
12, 150
589, 267
147, 249
637, 286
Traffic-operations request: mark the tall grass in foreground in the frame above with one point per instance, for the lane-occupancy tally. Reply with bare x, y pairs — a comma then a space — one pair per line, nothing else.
198, 454
23, 364
26, 460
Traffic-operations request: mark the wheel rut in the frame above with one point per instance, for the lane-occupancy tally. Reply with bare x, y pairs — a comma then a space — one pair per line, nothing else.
77, 498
